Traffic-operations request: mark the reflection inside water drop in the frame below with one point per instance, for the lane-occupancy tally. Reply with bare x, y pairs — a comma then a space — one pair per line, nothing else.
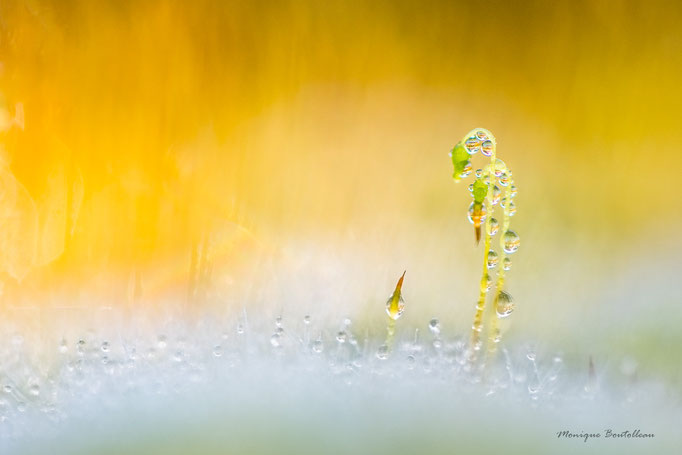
487, 148
511, 242
494, 226
497, 194
466, 170
504, 305
492, 259
472, 145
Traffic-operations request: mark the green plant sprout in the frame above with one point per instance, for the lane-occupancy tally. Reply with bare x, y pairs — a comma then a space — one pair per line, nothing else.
487, 194
395, 305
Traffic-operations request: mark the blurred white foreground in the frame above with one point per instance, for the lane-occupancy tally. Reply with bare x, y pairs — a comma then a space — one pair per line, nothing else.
298, 385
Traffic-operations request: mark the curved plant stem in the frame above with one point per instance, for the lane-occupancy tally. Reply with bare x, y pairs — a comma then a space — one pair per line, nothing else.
485, 192
480, 305
494, 335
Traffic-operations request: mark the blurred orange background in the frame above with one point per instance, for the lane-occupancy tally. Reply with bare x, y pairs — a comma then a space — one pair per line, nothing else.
157, 150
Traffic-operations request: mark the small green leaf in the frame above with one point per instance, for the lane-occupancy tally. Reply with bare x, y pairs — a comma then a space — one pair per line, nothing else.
480, 191
460, 157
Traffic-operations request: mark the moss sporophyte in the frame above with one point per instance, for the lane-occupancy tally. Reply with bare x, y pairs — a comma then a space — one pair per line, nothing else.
493, 187
395, 305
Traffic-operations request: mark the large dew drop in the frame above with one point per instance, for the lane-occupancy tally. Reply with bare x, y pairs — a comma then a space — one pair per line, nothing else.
511, 242
505, 304
479, 217
504, 178
395, 305
487, 148
497, 193
473, 145
395, 313
492, 259
494, 226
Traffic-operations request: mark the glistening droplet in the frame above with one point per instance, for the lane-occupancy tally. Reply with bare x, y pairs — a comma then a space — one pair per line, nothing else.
497, 193
466, 170
512, 209
476, 217
492, 259
487, 148
511, 242
504, 178
472, 145
494, 226
395, 313
504, 305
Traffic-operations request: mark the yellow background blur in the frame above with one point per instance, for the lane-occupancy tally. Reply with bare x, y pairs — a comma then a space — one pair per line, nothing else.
158, 132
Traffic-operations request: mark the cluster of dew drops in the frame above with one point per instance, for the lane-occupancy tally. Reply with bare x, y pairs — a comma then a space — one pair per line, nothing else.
113, 370
474, 144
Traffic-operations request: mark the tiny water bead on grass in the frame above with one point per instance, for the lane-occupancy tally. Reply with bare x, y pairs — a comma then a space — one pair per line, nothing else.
493, 187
